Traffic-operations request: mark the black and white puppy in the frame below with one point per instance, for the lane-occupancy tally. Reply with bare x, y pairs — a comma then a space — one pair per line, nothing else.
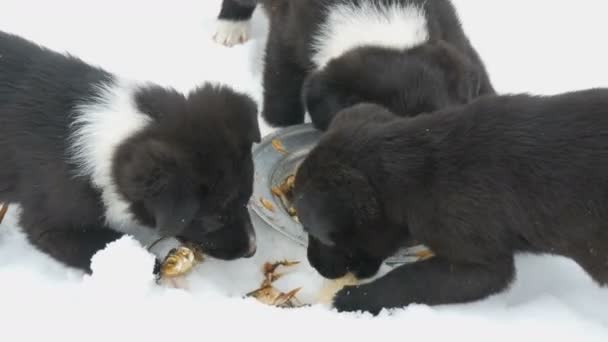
411, 56
90, 156
475, 183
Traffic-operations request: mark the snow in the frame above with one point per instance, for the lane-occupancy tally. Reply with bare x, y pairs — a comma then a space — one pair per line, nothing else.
526, 48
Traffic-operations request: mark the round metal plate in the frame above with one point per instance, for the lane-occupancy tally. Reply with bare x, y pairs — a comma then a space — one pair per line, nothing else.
273, 165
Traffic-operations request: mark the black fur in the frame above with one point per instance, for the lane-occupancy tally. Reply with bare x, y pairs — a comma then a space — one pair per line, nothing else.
237, 10
446, 70
475, 183
188, 174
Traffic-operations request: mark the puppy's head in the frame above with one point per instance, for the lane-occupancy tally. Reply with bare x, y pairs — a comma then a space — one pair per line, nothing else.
337, 200
189, 174
423, 79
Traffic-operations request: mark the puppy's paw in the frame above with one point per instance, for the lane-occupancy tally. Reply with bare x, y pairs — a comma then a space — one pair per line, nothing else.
230, 33
356, 299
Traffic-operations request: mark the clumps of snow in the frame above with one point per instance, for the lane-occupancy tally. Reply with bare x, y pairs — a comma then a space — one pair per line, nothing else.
552, 299
124, 265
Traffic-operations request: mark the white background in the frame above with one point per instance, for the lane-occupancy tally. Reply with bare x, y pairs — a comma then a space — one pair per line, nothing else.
536, 46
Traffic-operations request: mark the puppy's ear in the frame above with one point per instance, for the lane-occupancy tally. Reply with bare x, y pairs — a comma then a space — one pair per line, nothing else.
242, 116
323, 99
463, 76
362, 114
173, 208
148, 174
222, 107
312, 206
157, 101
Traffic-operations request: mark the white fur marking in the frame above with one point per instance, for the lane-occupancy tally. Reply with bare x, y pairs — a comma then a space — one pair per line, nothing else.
99, 128
230, 32
348, 26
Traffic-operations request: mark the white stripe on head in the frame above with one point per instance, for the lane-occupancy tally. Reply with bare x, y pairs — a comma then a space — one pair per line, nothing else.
99, 127
348, 26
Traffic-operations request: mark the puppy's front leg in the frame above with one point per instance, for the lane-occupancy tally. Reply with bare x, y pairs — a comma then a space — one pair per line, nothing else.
233, 22
433, 282
283, 80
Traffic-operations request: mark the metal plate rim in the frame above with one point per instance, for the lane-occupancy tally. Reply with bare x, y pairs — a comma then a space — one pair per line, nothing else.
262, 189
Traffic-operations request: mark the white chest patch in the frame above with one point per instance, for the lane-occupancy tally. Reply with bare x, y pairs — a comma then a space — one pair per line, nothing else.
99, 128
349, 26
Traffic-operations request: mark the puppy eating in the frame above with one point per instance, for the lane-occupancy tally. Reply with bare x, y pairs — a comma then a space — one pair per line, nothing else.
476, 184
90, 156
411, 56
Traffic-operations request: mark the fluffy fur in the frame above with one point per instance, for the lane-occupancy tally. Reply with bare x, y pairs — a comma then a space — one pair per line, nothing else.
411, 56
98, 129
476, 183
396, 26
90, 157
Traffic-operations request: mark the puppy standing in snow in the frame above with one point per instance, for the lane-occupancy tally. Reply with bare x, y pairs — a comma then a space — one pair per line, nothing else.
410, 56
475, 183
90, 157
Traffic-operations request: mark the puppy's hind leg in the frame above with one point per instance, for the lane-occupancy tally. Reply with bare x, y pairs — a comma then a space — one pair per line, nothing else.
233, 22
72, 246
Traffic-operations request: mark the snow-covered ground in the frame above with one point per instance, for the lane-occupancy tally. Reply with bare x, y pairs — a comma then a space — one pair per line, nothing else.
540, 46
